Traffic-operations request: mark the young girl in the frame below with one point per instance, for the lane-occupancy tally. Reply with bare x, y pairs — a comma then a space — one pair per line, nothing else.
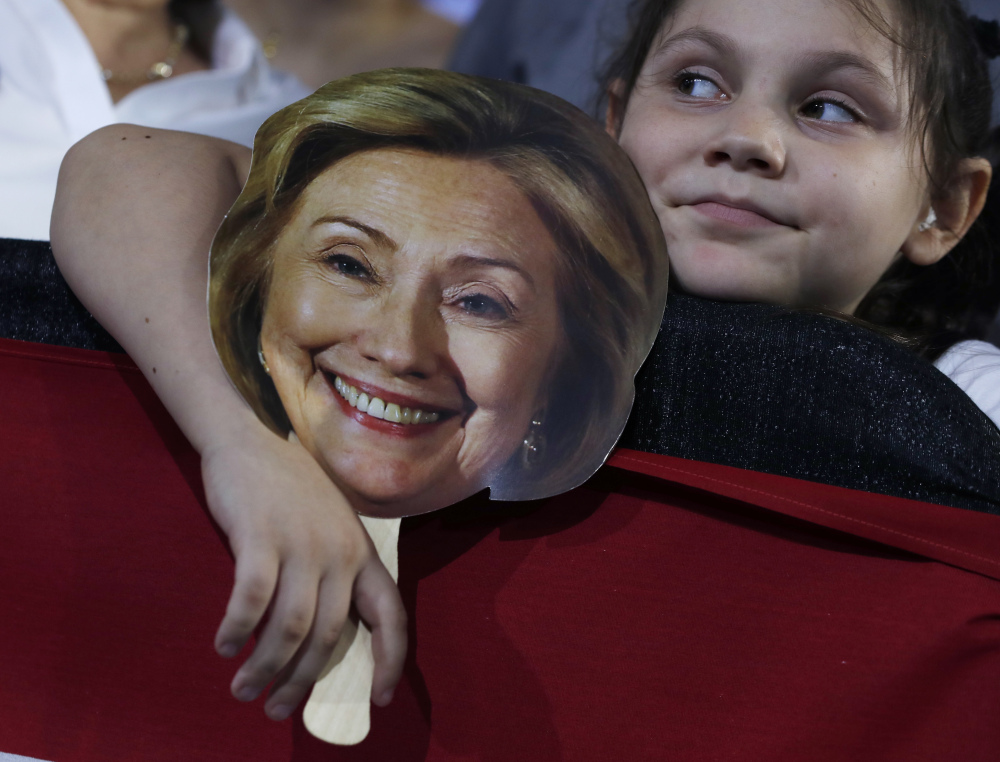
793, 149
812, 154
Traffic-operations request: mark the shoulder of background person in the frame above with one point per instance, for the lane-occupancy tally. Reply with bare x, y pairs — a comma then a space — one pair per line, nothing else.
555, 45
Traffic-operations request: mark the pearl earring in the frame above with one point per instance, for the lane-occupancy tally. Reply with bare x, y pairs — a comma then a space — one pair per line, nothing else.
533, 447
260, 356
929, 222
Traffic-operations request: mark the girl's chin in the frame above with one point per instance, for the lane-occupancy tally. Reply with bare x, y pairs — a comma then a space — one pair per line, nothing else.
728, 286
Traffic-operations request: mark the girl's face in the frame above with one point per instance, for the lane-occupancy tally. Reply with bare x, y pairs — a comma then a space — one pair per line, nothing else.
772, 137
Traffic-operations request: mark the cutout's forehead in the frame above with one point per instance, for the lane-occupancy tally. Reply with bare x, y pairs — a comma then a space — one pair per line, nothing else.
463, 209
397, 184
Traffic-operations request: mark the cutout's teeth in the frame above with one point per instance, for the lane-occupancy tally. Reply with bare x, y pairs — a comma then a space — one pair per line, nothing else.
376, 408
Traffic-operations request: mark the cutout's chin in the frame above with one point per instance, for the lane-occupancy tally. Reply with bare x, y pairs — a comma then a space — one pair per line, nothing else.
401, 507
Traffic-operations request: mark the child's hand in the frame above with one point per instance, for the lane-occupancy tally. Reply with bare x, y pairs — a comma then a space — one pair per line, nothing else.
301, 553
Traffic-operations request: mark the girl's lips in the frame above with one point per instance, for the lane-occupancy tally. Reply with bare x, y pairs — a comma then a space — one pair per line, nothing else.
734, 215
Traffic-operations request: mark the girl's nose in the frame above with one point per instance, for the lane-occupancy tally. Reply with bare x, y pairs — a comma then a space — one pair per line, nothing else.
405, 334
750, 140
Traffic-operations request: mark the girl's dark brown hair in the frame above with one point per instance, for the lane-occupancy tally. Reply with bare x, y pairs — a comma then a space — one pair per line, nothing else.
944, 56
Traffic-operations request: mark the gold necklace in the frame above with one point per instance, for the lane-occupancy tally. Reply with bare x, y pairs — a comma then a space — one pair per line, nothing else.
160, 69
270, 44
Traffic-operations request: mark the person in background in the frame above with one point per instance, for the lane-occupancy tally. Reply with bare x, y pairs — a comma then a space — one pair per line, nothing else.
323, 40
556, 45
69, 67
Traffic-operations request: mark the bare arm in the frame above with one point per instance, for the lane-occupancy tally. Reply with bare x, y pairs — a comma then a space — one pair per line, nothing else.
133, 222
134, 218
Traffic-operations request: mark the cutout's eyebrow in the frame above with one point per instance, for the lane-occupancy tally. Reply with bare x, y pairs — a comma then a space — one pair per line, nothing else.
470, 261
380, 238
462, 260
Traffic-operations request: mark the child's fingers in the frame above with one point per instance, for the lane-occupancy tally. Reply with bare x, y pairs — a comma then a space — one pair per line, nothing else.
377, 600
287, 691
297, 679
256, 578
289, 624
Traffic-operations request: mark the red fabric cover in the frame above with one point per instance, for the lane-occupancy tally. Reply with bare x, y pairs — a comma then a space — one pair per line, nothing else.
666, 610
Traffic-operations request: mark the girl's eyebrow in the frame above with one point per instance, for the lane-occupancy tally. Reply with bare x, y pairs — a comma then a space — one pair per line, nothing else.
825, 61
836, 60
722, 43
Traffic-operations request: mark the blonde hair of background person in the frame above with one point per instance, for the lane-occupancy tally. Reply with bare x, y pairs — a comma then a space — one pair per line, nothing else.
612, 274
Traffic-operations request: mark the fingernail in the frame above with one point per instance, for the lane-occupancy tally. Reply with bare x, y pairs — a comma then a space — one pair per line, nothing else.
228, 651
280, 712
384, 698
246, 693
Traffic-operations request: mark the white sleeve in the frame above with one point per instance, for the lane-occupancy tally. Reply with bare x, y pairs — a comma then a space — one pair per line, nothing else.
975, 367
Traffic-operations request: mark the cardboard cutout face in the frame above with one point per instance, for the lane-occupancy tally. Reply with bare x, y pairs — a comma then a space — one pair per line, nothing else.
439, 283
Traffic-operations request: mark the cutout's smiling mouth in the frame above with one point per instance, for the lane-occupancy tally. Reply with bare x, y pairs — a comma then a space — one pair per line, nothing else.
381, 410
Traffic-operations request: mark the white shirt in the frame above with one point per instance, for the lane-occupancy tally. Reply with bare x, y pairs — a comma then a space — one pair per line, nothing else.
975, 367
52, 95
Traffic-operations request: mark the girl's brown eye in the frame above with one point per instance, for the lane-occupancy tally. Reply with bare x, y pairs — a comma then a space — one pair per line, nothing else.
697, 86
829, 110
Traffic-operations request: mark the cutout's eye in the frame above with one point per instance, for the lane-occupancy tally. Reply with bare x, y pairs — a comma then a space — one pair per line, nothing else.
828, 110
698, 86
482, 306
347, 265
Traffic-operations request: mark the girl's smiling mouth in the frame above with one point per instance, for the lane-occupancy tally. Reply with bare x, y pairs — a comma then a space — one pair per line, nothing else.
384, 411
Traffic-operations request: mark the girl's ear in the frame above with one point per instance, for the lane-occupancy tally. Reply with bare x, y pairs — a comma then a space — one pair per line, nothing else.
615, 113
955, 212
